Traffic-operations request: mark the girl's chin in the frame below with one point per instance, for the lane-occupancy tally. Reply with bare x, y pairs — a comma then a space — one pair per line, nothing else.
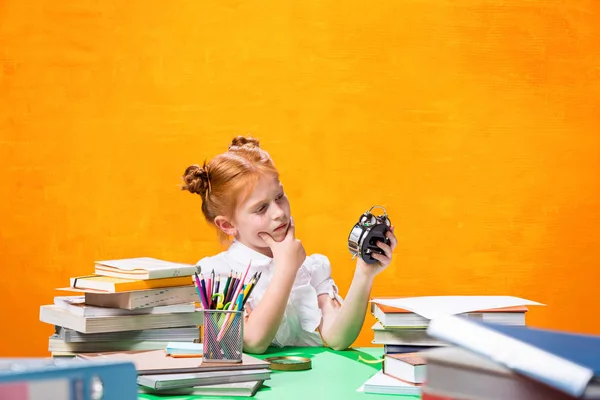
278, 236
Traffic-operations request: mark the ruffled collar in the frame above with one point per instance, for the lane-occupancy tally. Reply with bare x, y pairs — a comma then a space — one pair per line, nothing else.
244, 255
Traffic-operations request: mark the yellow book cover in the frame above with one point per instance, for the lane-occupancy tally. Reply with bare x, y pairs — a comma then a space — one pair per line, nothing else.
113, 284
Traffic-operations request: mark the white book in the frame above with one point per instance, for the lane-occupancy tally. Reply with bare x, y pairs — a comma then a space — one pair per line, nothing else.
143, 268
55, 315
403, 336
76, 306
173, 381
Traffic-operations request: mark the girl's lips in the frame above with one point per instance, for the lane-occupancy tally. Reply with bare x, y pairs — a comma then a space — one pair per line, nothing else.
280, 227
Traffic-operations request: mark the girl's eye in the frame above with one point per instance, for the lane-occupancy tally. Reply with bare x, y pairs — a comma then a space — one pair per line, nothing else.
261, 209
280, 196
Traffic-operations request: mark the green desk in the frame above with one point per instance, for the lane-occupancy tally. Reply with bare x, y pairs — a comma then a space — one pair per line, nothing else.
334, 375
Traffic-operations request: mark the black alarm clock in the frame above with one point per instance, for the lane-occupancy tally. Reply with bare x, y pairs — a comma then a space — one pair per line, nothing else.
370, 229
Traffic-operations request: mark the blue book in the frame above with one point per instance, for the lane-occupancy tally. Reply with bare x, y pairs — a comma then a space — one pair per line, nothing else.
56, 379
566, 361
400, 348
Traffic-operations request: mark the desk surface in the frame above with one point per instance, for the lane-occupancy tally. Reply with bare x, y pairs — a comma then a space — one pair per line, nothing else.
334, 375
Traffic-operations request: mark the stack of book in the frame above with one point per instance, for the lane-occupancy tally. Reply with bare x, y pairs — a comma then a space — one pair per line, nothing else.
172, 373
402, 328
127, 304
492, 362
402, 331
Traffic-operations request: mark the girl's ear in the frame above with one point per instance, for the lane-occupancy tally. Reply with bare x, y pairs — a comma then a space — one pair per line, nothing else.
227, 227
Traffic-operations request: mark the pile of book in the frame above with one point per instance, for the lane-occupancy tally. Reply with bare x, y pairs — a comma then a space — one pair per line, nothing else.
402, 328
146, 311
495, 362
174, 373
127, 304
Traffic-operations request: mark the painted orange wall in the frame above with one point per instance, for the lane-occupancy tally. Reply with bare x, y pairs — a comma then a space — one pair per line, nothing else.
476, 123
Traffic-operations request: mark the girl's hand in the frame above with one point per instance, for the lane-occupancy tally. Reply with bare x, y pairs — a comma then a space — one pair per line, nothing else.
383, 260
289, 251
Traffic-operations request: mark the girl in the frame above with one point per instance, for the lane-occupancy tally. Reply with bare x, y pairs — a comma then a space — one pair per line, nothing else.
295, 302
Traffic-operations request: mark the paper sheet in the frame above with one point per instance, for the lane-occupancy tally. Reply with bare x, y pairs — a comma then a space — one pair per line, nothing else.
432, 307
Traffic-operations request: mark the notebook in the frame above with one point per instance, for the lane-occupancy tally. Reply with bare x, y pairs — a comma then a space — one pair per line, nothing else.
157, 362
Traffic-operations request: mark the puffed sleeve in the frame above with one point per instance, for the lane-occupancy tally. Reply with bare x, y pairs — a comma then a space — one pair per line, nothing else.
321, 280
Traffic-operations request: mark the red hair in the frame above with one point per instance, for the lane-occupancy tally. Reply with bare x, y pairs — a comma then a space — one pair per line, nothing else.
228, 179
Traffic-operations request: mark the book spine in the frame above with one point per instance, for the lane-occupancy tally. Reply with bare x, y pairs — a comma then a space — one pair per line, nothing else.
520, 357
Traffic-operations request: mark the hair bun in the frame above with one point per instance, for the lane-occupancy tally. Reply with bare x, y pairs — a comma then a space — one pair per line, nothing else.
196, 180
242, 141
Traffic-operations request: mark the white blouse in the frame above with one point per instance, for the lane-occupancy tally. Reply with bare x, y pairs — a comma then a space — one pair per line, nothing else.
302, 315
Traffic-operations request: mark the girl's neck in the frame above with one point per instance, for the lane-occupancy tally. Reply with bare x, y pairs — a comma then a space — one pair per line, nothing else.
266, 251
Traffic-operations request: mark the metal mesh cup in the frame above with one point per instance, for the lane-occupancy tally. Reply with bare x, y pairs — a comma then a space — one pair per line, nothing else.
222, 336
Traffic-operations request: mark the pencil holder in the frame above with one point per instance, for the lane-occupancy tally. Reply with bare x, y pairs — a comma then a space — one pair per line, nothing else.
223, 336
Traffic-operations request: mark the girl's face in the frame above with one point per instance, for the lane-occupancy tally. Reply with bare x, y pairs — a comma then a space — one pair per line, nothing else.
266, 210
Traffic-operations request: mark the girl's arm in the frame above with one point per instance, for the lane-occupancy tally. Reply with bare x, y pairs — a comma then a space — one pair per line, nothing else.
263, 322
341, 325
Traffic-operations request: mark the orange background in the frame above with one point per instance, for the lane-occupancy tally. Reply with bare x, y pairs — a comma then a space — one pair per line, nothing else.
475, 122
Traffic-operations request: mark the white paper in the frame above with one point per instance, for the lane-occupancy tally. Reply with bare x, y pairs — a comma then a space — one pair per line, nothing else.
432, 307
